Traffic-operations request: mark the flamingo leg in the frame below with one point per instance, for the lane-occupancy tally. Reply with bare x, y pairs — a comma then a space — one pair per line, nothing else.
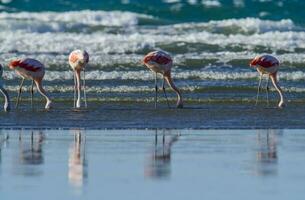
163, 145
156, 91
258, 88
74, 101
156, 143
78, 87
267, 90
7, 106
19, 93
163, 88
32, 93
85, 96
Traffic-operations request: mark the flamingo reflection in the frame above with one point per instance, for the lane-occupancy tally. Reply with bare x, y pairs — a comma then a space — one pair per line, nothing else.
77, 160
3, 140
266, 155
159, 164
31, 153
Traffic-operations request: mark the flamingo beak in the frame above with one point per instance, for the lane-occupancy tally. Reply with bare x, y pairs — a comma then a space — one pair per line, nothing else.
251, 65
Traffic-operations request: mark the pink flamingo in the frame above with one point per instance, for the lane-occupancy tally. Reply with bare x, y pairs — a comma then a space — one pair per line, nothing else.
78, 59
29, 68
161, 62
267, 64
7, 106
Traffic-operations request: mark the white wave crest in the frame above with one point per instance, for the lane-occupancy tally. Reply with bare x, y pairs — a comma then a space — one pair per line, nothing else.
125, 43
61, 21
245, 25
145, 75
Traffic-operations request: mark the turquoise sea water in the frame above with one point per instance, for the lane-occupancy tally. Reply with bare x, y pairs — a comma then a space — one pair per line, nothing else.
175, 11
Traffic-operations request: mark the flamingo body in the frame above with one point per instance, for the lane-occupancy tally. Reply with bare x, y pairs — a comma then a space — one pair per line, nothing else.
78, 59
30, 68
158, 62
268, 64
161, 62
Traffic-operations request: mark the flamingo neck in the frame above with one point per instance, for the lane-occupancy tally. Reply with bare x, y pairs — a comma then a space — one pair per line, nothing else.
7, 106
43, 93
278, 88
78, 86
173, 86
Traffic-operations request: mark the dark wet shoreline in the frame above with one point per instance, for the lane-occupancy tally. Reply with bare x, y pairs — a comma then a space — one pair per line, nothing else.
127, 115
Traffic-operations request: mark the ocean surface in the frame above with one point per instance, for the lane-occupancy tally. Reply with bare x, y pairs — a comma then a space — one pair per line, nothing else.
211, 42
155, 164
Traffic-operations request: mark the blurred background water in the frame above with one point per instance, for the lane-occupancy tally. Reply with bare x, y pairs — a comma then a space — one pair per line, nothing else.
211, 42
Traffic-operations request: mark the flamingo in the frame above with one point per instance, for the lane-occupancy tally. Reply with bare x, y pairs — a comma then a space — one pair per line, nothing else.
161, 62
7, 106
34, 70
268, 64
78, 59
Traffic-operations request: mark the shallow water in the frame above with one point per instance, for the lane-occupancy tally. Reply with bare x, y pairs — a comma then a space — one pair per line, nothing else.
141, 115
142, 164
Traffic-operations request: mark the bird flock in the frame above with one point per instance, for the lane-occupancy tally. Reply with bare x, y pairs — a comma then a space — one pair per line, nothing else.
159, 62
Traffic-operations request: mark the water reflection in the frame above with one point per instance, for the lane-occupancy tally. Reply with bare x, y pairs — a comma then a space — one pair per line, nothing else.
77, 173
266, 155
3, 140
31, 154
159, 163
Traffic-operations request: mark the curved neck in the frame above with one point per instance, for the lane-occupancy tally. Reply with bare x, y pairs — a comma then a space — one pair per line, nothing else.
277, 87
78, 87
43, 93
170, 82
6, 99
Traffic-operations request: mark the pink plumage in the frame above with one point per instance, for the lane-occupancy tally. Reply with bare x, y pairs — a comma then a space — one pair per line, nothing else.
78, 59
159, 62
28, 68
266, 61
158, 57
269, 65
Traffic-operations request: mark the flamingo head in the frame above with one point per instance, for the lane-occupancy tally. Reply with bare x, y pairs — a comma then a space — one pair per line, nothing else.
147, 59
14, 63
253, 62
282, 104
83, 57
180, 104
